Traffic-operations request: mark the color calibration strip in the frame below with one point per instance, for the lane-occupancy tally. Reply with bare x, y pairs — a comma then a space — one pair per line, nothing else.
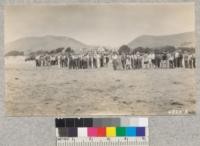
102, 131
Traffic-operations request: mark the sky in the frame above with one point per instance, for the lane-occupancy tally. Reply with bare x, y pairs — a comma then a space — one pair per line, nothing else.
102, 24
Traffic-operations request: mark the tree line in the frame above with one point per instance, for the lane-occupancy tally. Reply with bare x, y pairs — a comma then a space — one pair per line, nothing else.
123, 49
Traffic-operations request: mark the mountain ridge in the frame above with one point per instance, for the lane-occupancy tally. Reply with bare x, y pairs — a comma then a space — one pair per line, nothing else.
45, 43
51, 42
186, 39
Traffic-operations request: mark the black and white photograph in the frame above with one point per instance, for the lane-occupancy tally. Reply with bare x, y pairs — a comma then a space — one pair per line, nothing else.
100, 59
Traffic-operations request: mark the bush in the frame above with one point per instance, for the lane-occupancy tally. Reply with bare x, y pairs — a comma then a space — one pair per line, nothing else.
15, 53
124, 49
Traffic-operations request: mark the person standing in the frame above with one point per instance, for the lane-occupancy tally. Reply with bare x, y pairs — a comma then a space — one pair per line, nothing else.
59, 60
164, 60
95, 60
98, 60
136, 60
171, 60
145, 61
176, 59
194, 60
101, 60
37, 61
66, 61
152, 60
87, 59
107, 60
128, 62
185, 60
181, 59
132, 61
123, 61
114, 60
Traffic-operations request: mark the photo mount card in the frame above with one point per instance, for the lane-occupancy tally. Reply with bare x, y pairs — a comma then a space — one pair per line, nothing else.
100, 59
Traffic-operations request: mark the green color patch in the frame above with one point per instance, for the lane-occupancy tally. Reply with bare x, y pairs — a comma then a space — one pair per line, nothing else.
121, 131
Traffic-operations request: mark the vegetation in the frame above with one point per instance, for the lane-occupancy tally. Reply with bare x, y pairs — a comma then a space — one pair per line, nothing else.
69, 50
163, 49
15, 53
58, 50
124, 49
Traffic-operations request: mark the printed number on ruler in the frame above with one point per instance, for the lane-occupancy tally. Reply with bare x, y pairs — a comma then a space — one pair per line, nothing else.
102, 141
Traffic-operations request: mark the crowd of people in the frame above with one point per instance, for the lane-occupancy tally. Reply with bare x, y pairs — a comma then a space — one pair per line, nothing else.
73, 61
123, 61
152, 60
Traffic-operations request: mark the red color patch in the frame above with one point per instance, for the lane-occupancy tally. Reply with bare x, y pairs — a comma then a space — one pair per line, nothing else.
101, 132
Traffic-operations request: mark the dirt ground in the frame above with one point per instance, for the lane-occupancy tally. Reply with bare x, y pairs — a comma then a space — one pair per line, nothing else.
53, 91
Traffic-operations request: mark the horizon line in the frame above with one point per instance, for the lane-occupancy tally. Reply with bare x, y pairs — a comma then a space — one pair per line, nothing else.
51, 35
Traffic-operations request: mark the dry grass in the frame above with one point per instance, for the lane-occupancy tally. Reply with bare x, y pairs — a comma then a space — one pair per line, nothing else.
54, 91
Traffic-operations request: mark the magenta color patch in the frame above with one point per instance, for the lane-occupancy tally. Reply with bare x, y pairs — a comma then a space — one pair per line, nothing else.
92, 132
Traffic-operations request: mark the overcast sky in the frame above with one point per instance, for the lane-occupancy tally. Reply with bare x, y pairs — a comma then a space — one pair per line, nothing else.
111, 25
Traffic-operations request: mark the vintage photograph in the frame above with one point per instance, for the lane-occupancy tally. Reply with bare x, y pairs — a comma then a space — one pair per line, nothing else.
100, 59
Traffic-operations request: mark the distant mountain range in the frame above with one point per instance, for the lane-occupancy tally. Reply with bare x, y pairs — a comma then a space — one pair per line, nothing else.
186, 39
48, 43
44, 43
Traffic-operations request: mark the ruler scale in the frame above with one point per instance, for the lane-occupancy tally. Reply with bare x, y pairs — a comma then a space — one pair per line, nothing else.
127, 131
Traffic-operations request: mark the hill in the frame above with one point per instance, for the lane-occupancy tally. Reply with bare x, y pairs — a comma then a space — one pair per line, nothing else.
44, 43
177, 40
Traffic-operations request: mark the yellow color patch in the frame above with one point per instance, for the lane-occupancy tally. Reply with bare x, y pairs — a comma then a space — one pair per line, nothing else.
110, 131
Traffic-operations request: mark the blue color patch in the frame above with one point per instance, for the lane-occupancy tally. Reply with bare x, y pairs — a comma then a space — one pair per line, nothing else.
140, 131
130, 131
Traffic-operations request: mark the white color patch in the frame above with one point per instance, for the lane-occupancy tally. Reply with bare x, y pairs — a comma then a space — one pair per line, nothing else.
82, 132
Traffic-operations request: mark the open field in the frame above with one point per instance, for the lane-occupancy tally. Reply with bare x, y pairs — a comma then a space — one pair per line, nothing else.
51, 91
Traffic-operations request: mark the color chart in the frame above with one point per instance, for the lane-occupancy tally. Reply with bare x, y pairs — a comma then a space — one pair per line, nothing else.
102, 131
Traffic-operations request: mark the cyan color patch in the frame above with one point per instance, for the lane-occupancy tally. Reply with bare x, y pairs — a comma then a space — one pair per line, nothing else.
130, 131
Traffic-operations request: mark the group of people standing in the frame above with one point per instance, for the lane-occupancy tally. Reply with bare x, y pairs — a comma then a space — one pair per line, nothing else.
73, 61
138, 60
153, 60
